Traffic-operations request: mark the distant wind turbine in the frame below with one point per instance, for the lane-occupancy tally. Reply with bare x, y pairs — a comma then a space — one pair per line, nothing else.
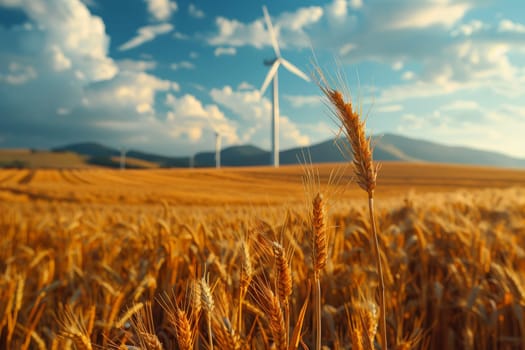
217, 149
272, 75
122, 158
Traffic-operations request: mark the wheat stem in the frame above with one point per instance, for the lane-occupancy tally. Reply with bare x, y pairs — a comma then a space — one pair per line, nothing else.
381, 291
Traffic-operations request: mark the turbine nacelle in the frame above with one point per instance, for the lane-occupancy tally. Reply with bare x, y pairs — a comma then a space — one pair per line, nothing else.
270, 62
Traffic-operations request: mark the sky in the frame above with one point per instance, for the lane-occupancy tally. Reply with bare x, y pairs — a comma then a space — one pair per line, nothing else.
163, 75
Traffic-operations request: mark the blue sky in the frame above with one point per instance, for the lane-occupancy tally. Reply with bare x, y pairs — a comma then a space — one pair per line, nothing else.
160, 75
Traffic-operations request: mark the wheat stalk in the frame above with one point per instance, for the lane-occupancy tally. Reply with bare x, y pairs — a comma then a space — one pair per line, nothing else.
284, 280
209, 306
183, 330
364, 170
319, 256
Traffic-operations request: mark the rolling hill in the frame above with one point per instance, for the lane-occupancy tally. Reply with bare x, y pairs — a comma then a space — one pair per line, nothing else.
388, 147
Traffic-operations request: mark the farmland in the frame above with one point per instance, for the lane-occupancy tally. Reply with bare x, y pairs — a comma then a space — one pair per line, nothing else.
96, 258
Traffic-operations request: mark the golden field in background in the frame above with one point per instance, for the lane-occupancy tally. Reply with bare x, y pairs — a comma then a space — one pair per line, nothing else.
95, 258
243, 186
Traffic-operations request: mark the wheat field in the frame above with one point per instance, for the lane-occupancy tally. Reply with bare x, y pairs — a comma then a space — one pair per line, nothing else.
187, 259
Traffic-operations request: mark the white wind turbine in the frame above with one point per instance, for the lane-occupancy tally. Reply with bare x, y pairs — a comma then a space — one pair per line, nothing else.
272, 75
123, 152
217, 149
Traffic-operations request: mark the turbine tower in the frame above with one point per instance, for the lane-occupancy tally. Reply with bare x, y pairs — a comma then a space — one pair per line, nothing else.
272, 75
217, 149
123, 152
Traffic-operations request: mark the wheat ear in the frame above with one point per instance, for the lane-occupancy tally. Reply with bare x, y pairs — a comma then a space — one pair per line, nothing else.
364, 170
319, 256
284, 280
209, 306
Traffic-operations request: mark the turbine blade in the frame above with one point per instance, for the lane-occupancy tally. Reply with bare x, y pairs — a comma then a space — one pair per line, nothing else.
292, 68
272, 33
270, 75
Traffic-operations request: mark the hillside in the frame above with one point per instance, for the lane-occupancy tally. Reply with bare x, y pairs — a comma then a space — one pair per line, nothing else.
26, 158
388, 147
97, 154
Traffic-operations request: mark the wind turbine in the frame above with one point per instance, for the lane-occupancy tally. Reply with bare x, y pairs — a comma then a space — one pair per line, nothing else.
123, 152
217, 149
272, 75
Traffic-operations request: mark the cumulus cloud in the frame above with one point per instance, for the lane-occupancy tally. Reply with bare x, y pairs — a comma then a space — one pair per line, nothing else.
245, 86
450, 49
77, 91
426, 14
128, 90
195, 12
301, 100
70, 34
488, 128
136, 65
188, 116
255, 112
18, 74
390, 108
161, 10
289, 26
145, 34
338, 9
506, 25
231, 51
182, 65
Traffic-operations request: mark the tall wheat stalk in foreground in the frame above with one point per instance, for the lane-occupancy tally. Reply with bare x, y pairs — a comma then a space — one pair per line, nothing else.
319, 255
364, 169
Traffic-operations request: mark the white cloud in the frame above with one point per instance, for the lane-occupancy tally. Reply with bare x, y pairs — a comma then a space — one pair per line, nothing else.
467, 29
291, 134
63, 111
128, 90
245, 86
427, 14
235, 33
507, 25
389, 108
408, 75
398, 65
182, 65
60, 61
461, 105
195, 12
188, 116
484, 128
18, 74
161, 10
255, 113
247, 104
180, 36
356, 4
338, 9
411, 121
71, 34
299, 19
347, 48
289, 26
302, 101
145, 34
219, 51
136, 65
